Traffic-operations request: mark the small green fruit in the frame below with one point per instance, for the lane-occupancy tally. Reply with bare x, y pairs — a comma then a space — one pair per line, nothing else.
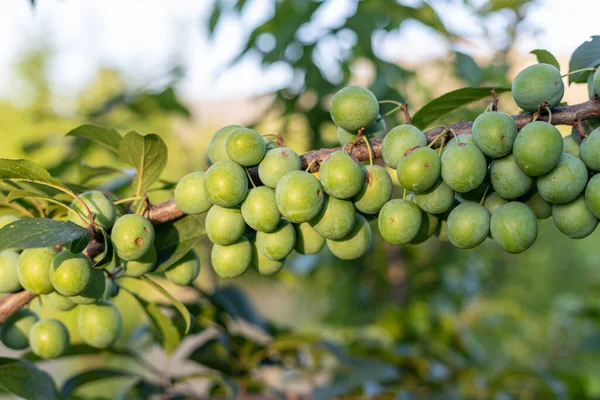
186, 270
70, 273
276, 164
596, 82
7, 219
514, 227
14, 332
419, 169
9, 271
537, 148
537, 84
399, 221
570, 145
508, 179
49, 338
132, 236
541, 208
336, 218
341, 175
428, 228
233, 260
101, 206
299, 196
94, 291
99, 325
354, 107
574, 219
142, 265
592, 195
355, 244
216, 146
224, 225
225, 183
278, 244
463, 167
308, 241
590, 150
468, 225
564, 182
494, 133
190, 196
376, 190
245, 146
437, 199
59, 302
264, 265
259, 209
34, 269
398, 141
493, 201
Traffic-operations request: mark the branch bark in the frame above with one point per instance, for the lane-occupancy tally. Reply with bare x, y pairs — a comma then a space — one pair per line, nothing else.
168, 210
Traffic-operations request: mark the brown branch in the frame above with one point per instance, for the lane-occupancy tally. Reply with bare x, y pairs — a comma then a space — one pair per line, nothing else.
168, 210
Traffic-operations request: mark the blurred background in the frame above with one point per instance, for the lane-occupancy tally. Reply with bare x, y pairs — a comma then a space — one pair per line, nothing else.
426, 321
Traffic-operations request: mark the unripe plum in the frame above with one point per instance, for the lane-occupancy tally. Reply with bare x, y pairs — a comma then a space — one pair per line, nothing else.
463, 167
428, 228
233, 260
514, 227
468, 225
308, 241
355, 244
494, 133
570, 145
354, 107
142, 265
101, 206
7, 219
132, 236
216, 146
419, 169
299, 196
398, 141
540, 207
590, 150
245, 146
574, 219
278, 244
592, 195
537, 148
190, 196
185, 270
376, 190
70, 273
564, 182
336, 218
14, 332
493, 201
437, 199
34, 269
341, 175
508, 179
94, 291
9, 271
49, 338
100, 324
224, 225
225, 183
399, 221
276, 164
263, 264
59, 302
537, 84
259, 209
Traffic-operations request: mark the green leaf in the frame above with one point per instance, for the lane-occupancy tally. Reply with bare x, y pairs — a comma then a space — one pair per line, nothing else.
25, 380
174, 239
78, 245
585, 56
545, 57
25, 170
449, 102
214, 18
108, 253
147, 154
234, 302
107, 138
168, 334
468, 69
80, 379
24, 194
39, 232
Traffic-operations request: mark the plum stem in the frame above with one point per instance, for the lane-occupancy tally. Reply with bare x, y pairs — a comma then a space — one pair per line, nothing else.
364, 138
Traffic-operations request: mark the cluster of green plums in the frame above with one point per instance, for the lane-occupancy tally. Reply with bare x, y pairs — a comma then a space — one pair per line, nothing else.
495, 182
65, 280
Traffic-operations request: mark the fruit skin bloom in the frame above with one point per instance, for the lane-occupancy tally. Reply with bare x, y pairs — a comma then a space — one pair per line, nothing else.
537, 84
353, 108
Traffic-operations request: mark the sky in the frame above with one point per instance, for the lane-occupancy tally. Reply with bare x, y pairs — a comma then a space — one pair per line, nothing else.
141, 38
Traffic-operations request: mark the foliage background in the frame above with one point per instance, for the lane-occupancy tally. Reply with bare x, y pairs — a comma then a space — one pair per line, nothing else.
418, 321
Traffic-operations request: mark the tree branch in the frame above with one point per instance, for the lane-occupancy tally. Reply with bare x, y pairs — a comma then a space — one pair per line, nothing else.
168, 210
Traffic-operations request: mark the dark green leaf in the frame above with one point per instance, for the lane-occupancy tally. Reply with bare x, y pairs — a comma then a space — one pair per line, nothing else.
80, 379
239, 5
214, 354
468, 69
108, 253
234, 302
78, 245
25, 380
149, 104
147, 154
39, 232
214, 18
585, 56
26, 194
545, 57
449, 102
25, 170
108, 138
174, 239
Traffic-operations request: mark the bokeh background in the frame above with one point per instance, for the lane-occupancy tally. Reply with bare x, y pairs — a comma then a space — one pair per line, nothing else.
426, 321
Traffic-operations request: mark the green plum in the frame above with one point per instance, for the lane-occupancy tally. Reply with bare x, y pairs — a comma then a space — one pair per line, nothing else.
437, 199
276, 164
59, 302
9, 271
100, 324
224, 225
574, 219
225, 183
7, 219
427, 229
596, 82
278, 244
101, 206
233, 260
592, 195
514, 227
508, 179
537, 84
263, 264
376, 190
468, 225
590, 150
94, 291
399, 221
185, 270
570, 145
341, 175
49, 338
463, 167
70, 273
537, 148
299, 196
34, 269
259, 209
245, 146
398, 141
419, 169
564, 182
308, 241
353, 108
14, 332
493, 201
216, 146
142, 265
540, 207
355, 244
190, 196
494, 133
336, 218
132, 236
